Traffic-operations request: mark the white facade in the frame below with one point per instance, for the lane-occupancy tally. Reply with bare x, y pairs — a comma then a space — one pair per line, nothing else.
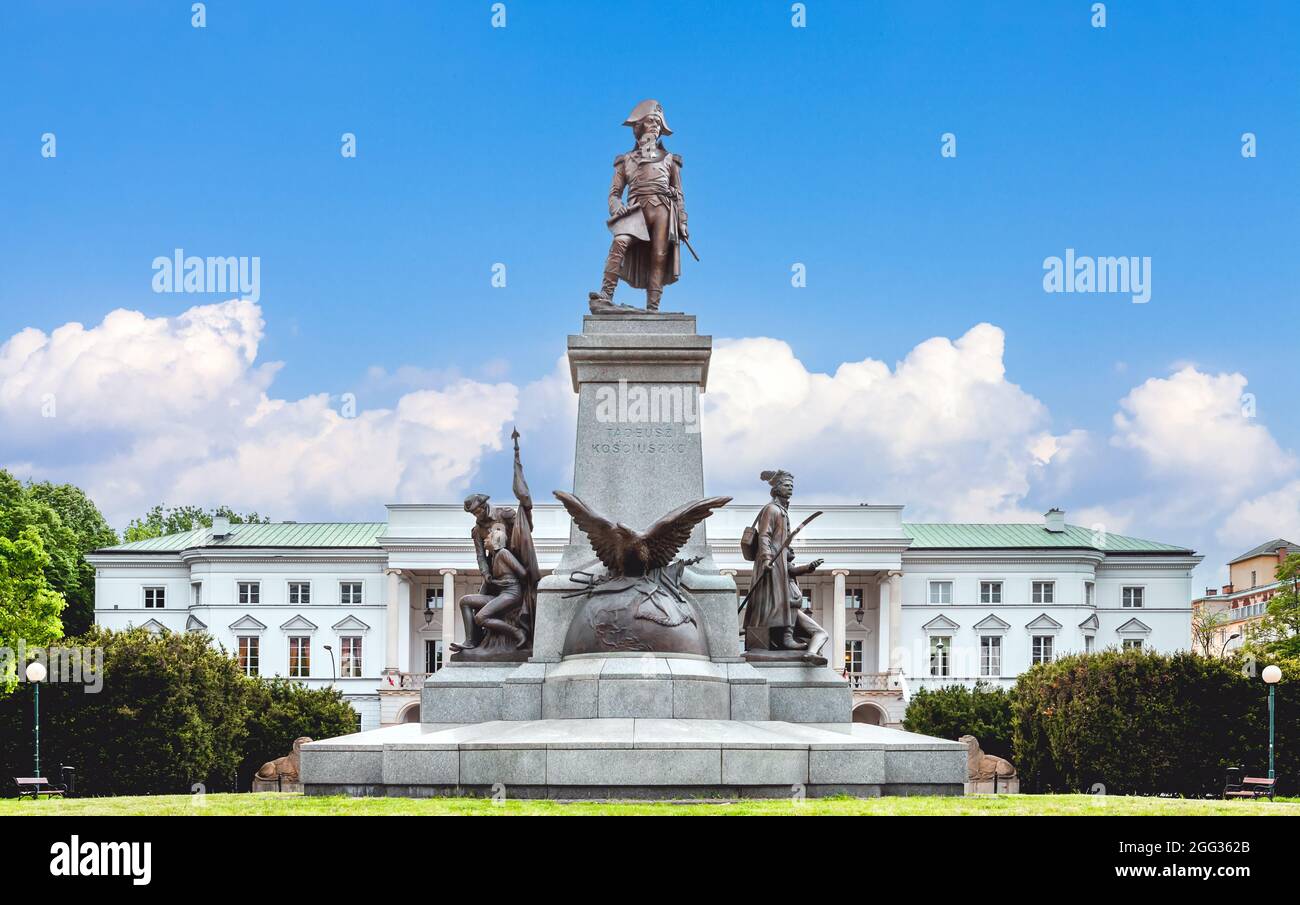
909, 605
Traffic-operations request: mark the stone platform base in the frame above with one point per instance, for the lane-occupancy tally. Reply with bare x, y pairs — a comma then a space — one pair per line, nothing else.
635, 686
634, 758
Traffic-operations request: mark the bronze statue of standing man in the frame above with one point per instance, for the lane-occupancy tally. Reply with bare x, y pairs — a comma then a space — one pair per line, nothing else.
776, 626
650, 226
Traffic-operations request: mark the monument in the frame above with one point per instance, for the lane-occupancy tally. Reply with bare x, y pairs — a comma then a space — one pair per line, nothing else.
622, 673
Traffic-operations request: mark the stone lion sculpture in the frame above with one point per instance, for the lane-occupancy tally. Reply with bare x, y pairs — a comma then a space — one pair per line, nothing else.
285, 769
981, 767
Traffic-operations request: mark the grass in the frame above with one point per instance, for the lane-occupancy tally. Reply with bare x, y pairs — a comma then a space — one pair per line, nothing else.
274, 804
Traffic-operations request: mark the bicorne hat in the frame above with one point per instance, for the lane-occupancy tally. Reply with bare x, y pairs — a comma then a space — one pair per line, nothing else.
644, 109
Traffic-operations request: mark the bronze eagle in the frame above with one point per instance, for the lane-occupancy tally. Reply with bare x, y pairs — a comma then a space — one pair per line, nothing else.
625, 551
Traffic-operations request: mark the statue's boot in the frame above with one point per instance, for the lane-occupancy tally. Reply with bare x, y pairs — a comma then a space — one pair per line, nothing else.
788, 642
607, 286
603, 302
655, 287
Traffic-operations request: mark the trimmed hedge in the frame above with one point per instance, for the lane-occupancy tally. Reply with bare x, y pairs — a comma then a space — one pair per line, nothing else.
173, 711
955, 710
1135, 722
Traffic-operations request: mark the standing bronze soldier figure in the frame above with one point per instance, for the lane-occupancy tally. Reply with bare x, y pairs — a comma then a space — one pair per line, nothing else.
774, 616
648, 229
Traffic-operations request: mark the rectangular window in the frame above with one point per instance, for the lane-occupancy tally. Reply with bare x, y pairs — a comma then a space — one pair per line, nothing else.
350, 593
433, 598
1089, 592
991, 655
1132, 597
196, 594
299, 657
350, 657
155, 598
1132, 644
853, 656
941, 592
250, 593
1044, 592
1088, 642
1253, 583
1042, 649
432, 655
249, 648
853, 599
299, 593
990, 592
940, 655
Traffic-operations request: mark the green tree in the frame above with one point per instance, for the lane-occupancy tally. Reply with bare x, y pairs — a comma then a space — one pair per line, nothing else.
1277, 635
955, 710
281, 710
90, 531
172, 711
20, 509
1137, 722
164, 520
29, 608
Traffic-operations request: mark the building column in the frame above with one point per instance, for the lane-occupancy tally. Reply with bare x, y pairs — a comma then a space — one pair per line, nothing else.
884, 637
895, 621
837, 621
392, 598
448, 611
404, 585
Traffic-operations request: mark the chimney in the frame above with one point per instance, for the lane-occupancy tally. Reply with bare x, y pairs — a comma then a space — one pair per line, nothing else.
1227, 589
1054, 520
220, 527
1282, 552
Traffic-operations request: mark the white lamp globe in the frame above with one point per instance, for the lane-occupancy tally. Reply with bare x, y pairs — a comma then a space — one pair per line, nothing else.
36, 671
1272, 675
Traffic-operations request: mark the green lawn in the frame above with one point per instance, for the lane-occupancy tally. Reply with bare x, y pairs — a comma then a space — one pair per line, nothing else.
280, 805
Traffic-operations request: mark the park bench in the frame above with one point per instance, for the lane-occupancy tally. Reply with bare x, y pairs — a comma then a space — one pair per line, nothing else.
1238, 786
36, 786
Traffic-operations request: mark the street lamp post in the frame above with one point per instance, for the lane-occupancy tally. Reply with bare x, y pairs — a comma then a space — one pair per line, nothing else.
334, 675
36, 675
1231, 638
1272, 675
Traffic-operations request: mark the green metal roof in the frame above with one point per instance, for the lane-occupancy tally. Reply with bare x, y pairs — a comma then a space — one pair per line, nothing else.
925, 536
957, 536
272, 534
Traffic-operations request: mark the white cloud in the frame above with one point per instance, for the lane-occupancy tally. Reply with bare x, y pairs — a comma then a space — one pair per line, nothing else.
1261, 518
944, 432
175, 410
180, 410
1190, 429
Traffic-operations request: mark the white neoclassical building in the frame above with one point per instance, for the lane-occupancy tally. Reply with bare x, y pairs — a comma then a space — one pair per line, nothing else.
369, 606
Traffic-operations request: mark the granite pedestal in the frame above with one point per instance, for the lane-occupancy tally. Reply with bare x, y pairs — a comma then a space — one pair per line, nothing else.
634, 758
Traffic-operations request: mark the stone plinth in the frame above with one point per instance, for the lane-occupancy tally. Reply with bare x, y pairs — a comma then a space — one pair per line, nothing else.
635, 758
805, 694
624, 686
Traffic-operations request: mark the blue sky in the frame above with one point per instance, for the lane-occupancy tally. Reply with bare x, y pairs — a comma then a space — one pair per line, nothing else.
817, 145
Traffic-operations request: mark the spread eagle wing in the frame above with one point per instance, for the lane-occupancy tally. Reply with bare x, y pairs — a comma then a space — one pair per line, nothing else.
666, 536
608, 540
